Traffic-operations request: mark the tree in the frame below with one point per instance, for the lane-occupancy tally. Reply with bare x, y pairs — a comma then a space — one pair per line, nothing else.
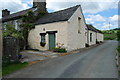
28, 24
10, 31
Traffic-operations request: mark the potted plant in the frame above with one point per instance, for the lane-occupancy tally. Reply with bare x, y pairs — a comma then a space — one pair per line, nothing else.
42, 44
19, 56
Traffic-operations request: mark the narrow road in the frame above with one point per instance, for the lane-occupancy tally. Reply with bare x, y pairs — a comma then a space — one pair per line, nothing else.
98, 62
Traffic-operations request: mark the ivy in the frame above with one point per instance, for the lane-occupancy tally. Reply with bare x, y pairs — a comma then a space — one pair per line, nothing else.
11, 31
28, 23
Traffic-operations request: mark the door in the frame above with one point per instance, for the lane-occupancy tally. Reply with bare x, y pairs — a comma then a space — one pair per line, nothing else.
51, 41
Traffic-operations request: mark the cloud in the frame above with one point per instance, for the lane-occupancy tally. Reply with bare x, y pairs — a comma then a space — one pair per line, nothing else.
107, 26
91, 19
88, 6
12, 5
114, 18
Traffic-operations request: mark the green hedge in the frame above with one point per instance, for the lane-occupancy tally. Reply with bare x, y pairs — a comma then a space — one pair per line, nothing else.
118, 49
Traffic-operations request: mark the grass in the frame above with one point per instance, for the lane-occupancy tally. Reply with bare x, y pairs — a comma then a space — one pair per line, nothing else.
108, 36
13, 67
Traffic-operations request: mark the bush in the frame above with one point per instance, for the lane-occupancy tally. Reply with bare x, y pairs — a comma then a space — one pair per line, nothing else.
118, 49
110, 38
60, 50
87, 45
7, 61
118, 35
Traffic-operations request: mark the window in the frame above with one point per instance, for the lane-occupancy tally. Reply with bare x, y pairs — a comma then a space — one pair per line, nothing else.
16, 25
79, 24
42, 42
43, 38
90, 37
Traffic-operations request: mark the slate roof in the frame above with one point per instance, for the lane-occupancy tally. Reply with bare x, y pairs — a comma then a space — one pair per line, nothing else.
16, 15
90, 27
62, 15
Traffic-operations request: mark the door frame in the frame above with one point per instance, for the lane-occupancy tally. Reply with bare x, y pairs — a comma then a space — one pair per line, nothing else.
51, 32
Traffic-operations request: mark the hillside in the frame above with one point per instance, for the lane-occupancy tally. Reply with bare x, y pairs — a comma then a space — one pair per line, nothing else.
110, 34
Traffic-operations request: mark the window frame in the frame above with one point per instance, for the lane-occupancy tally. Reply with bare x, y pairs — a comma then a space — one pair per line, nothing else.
79, 27
90, 37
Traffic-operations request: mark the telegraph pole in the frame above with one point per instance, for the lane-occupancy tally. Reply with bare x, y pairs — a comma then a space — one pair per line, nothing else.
109, 25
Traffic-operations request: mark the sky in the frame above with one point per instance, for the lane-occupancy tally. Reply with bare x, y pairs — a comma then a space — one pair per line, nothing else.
102, 14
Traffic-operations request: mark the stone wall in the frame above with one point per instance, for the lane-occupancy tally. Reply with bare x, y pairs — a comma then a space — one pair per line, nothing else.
16, 23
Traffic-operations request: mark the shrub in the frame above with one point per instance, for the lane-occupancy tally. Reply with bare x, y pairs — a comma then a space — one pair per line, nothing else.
6, 60
118, 35
60, 50
118, 49
109, 38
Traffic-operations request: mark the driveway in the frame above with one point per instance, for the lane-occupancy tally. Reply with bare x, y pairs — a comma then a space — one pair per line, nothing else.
98, 62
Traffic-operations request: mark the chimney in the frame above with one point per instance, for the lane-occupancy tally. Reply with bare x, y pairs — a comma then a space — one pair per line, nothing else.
40, 5
5, 12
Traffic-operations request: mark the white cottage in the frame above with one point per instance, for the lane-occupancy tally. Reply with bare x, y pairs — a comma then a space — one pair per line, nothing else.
66, 27
94, 35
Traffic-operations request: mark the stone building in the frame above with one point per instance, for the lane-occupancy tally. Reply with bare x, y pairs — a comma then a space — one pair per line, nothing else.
66, 27
94, 35
16, 18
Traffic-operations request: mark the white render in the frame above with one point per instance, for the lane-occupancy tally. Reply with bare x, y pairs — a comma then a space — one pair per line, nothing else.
72, 33
94, 37
100, 37
61, 36
76, 40
67, 33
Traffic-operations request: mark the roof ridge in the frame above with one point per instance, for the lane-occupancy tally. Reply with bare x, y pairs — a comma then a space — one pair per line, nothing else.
66, 9
90, 27
21, 11
61, 15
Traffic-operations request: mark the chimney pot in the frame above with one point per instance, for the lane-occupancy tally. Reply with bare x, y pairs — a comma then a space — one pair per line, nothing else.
5, 12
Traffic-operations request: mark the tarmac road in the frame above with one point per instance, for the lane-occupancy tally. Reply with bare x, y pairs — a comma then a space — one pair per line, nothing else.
98, 62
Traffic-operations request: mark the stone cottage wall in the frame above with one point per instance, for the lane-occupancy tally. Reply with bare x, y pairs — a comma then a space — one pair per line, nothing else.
61, 35
77, 33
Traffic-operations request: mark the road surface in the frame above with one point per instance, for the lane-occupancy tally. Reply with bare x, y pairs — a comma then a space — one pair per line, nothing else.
98, 62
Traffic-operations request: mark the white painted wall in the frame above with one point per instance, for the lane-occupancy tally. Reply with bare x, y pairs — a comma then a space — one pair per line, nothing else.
100, 37
35, 38
94, 37
67, 33
76, 40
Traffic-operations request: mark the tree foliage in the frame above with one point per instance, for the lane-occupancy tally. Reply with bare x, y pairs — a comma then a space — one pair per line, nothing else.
28, 17
28, 23
11, 31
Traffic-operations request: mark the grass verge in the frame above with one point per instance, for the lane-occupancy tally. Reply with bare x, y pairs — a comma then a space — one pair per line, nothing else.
111, 36
13, 67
